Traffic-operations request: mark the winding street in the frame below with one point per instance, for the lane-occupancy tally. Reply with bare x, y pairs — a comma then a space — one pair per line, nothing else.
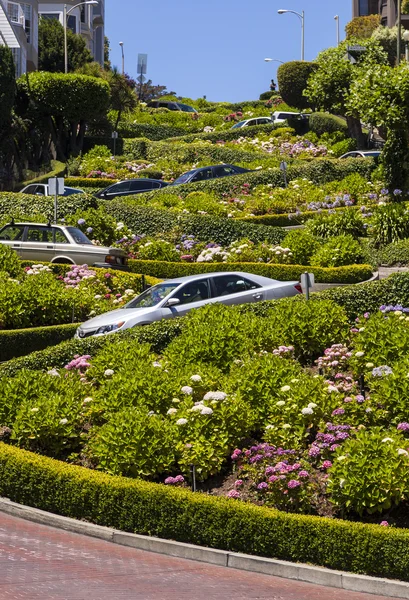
38, 562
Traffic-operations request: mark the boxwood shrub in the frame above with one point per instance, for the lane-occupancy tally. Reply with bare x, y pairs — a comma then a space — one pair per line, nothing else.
148, 130
19, 204
149, 221
321, 123
190, 153
178, 514
166, 270
89, 182
19, 342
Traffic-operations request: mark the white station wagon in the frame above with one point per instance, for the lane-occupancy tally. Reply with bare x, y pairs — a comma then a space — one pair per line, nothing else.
59, 244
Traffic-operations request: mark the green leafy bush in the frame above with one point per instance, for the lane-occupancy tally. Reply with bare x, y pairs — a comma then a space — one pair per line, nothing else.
390, 223
321, 123
338, 251
292, 80
342, 147
344, 222
369, 473
9, 261
302, 244
96, 224
395, 254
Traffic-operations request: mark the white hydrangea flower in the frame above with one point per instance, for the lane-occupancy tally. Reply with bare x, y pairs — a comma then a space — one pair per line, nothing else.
359, 354
332, 388
87, 400
34, 410
206, 410
312, 405
387, 439
307, 411
280, 403
63, 421
187, 390
197, 407
108, 373
270, 427
156, 364
286, 426
53, 372
215, 396
196, 378
285, 388
181, 422
402, 452
172, 411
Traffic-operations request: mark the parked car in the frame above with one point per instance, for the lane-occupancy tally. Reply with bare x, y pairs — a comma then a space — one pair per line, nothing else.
59, 244
254, 121
171, 106
209, 173
375, 154
129, 187
41, 189
176, 297
280, 117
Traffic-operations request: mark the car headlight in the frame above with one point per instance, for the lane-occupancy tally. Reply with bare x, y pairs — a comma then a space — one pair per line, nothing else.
109, 328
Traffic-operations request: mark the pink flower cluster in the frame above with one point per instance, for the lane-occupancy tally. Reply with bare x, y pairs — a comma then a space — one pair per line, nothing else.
79, 363
335, 356
77, 274
282, 350
179, 479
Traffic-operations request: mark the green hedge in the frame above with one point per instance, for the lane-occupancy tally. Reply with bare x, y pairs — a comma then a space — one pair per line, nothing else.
16, 204
148, 130
319, 171
227, 135
159, 335
58, 170
149, 221
166, 270
190, 153
89, 182
19, 342
178, 514
321, 123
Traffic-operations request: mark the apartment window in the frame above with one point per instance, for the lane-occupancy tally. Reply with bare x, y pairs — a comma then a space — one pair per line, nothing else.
17, 60
50, 16
82, 14
368, 7
28, 14
72, 23
14, 12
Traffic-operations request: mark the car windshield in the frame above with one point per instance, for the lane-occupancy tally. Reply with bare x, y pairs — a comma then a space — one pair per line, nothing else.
185, 107
152, 296
71, 191
240, 124
375, 154
183, 178
78, 236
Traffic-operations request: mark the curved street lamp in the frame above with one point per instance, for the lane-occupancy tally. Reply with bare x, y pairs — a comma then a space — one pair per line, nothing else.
301, 15
274, 60
65, 15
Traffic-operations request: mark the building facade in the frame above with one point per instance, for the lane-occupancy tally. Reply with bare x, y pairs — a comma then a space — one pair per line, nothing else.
387, 9
19, 31
86, 20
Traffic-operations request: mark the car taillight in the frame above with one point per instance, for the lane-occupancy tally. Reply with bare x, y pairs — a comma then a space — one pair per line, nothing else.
298, 288
110, 259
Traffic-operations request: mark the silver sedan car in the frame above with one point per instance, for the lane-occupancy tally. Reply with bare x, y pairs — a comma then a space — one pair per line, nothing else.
176, 297
59, 244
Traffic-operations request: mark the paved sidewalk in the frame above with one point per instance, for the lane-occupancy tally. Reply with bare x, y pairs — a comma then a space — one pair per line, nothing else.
42, 563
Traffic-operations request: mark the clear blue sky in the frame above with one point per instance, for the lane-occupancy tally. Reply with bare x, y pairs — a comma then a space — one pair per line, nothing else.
217, 47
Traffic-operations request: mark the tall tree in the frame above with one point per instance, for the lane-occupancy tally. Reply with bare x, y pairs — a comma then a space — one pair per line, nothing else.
107, 50
362, 27
329, 86
51, 47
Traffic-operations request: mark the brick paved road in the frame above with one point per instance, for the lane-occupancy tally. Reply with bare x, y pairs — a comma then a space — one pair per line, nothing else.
42, 563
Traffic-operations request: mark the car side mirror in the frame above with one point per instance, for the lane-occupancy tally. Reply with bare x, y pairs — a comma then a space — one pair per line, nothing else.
172, 302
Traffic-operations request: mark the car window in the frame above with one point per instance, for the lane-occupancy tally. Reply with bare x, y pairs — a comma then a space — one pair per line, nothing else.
124, 186
156, 185
263, 121
202, 175
30, 189
223, 170
239, 124
40, 190
137, 186
42, 235
60, 237
233, 284
152, 296
70, 192
195, 291
12, 232
78, 236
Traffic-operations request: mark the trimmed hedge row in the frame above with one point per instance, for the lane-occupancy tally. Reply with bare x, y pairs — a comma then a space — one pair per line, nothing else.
178, 514
149, 221
12, 203
20, 342
166, 270
159, 335
58, 170
89, 182
320, 170
148, 130
190, 153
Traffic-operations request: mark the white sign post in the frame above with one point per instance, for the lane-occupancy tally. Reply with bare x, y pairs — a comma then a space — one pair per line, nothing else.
56, 188
283, 168
307, 281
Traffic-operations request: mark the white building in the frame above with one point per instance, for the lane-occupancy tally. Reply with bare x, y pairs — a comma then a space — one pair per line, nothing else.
86, 20
19, 31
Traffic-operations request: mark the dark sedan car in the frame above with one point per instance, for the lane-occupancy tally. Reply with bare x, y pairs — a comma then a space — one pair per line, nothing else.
209, 173
128, 187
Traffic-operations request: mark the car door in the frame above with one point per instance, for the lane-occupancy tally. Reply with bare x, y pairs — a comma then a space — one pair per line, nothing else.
38, 244
12, 236
192, 295
234, 289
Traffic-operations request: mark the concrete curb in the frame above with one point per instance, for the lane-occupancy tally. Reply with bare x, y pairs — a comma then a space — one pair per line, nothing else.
257, 564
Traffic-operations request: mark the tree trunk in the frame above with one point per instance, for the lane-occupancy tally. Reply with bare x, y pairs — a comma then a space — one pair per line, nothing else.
355, 131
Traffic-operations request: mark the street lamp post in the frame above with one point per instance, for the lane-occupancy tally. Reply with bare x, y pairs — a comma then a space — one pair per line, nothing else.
65, 15
123, 57
274, 60
406, 40
399, 24
337, 20
301, 15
